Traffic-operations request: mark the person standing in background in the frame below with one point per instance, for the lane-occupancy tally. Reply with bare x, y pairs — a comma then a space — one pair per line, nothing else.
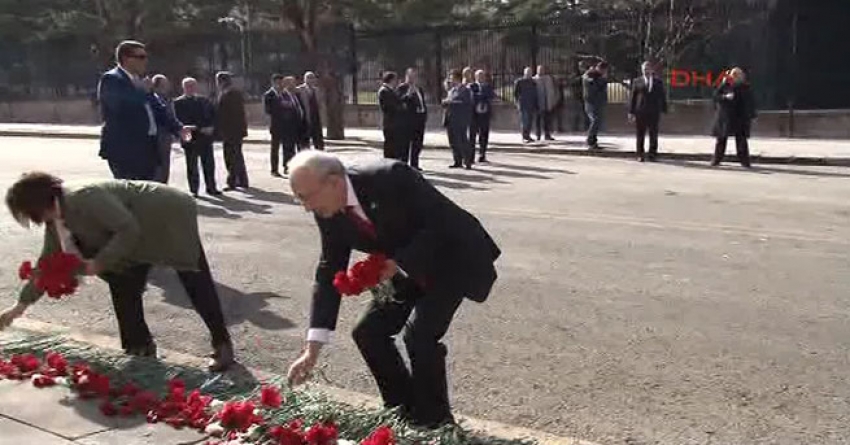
578, 116
198, 111
231, 127
166, 134
595, 83
525, 96
547, 102
392, 111
458, 118
648, 101
736, 109
310, 100
416, 116
483, 95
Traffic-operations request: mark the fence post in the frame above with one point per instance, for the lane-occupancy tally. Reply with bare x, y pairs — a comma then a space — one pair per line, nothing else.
794, 61
535, 47
438, 64
355, 67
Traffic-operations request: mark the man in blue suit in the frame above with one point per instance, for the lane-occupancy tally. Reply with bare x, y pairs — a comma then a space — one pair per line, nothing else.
130, 115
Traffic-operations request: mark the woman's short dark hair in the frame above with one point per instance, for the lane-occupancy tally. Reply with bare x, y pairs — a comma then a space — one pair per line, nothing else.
32, 195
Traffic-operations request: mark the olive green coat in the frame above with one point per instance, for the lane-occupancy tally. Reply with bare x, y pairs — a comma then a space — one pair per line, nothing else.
120, 223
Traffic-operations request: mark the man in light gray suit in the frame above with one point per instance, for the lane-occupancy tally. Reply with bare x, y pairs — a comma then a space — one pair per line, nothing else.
457, 119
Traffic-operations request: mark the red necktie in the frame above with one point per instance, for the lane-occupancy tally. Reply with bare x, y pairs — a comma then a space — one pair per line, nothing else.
363, 225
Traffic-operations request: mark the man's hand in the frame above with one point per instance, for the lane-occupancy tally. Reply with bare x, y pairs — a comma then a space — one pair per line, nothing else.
186, 133
92, 268
300, 371
390, 269
207, 131
10, 314
631, 117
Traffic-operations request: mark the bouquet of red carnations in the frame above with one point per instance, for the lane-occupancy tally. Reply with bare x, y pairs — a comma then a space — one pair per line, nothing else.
56, 274
365, 275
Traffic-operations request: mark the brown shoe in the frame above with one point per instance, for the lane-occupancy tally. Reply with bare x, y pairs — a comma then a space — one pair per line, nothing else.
222, 358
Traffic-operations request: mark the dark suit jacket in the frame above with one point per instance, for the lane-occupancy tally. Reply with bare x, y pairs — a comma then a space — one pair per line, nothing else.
733, 116
391, 107
439, 245
126, 123
459, 107
309, 98
645, 103
483, 94
197, 111
410, 99
231, 124
525, 94
286, 114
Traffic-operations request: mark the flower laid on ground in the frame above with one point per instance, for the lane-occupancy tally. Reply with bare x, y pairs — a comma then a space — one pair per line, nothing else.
365, 275
236, 422
56, 274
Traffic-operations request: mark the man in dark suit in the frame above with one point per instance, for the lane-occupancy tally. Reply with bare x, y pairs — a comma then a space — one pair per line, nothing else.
415, 118
284, 110
483, 94
131, 116
199, 112
526, 98
648, 101
393, 119
459, 106
438, 254
309, 97
231, 127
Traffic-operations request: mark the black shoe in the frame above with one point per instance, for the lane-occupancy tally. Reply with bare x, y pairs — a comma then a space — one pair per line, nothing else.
550, 138
230, 188
277, 174
195, 194
455, 166
221, 358
215, 192
468, 166
641, 159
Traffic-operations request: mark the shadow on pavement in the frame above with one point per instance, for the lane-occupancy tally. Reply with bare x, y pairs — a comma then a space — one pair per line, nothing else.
238, 306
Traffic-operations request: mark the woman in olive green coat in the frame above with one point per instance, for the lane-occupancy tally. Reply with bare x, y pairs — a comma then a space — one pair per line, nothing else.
121, 229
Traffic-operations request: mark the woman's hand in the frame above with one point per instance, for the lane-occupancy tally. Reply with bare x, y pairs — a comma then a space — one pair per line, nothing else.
10, 314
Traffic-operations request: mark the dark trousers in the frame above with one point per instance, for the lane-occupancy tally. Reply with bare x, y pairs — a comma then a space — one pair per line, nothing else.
544, 124
163, 170
480, 128
647, 124
128, 286
234, 160
526, 118
741, 145
595, 114
142, 171
203, 152
461, 146
392, 142
314, 133
288, 143
413, 140
422, 391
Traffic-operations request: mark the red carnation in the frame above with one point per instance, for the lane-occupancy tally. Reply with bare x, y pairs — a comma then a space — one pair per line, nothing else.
381, 436
57, 364
26, 363
238, 416
43, 381
25, 270
270, 397
108, 409
288, 435
322, 434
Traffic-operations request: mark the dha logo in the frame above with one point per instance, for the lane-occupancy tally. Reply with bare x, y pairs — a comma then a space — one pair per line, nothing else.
683, 78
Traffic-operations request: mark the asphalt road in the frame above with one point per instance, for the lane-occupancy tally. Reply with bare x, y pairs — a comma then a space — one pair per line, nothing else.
638, 303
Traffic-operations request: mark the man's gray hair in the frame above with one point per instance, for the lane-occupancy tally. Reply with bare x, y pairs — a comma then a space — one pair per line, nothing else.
320, 162
188, 80
158, 80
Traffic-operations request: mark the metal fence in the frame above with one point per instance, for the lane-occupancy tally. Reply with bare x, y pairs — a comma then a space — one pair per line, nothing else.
753, 34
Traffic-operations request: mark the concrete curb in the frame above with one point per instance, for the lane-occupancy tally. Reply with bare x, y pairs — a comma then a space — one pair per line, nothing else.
510, 148
338, 394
